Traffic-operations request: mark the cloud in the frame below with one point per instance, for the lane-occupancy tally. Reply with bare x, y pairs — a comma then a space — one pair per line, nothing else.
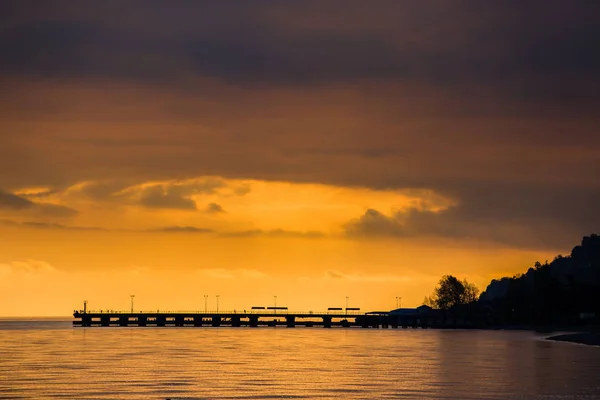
12, 201
343, 94
27, 267
56, 210
333, 274
172, 194
182, 229
101, 190
157, 197
242, 189
251, 273
36, 192
214, 208
374, 223
44, 225
274, 233
522, 45
49, 225
222, 273
515, 223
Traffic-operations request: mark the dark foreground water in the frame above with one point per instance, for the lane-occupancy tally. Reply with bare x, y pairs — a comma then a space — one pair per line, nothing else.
51, 359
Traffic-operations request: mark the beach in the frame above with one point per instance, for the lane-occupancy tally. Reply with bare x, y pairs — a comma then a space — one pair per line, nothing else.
588, 338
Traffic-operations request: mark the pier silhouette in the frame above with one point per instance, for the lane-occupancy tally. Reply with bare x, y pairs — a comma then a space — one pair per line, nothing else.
252, 318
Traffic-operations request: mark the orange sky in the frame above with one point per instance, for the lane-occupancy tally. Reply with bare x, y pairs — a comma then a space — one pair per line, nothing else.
310, 151
245, 240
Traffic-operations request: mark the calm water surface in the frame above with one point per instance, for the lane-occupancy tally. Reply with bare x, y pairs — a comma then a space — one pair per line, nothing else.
51, 359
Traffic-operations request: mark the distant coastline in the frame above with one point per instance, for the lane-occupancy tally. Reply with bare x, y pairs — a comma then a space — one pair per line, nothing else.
587, 338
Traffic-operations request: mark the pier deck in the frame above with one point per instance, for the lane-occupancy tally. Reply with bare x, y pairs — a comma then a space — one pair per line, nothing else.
249, 319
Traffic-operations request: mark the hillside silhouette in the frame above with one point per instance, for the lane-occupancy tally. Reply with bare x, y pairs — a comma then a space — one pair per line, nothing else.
564, 292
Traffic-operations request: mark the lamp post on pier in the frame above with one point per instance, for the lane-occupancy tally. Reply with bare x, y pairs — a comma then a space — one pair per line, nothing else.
398, 301
205, 303
132, 296
217, 303
346, 311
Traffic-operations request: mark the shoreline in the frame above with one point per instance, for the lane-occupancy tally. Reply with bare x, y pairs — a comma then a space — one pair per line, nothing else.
586, 338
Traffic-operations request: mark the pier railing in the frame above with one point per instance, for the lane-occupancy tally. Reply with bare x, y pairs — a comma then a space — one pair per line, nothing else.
226, 312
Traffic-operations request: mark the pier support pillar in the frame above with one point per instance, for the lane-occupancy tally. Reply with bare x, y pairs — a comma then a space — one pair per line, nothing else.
86, 320
216, 321
123, 320
362, 321
142, 320
253, 321
105, 320
385, 322
235, 321
198, 320
290, 321
179, 319
161, 320
327, 322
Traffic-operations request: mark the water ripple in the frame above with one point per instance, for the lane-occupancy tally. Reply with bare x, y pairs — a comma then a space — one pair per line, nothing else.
54, 360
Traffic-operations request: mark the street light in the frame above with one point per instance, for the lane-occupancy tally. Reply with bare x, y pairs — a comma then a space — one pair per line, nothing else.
205, 303
398, 301
217, 304
347, 304
132, 296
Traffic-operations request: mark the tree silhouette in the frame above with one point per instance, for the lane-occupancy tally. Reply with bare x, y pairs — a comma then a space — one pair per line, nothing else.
452, 292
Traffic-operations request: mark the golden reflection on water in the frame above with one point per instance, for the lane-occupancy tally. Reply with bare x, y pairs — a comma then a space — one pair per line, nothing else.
54, 360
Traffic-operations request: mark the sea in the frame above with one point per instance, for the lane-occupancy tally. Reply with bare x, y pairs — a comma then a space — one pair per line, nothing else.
51, 359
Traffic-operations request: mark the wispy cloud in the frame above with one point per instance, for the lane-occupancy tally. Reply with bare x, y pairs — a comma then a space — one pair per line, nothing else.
361, 277
222, 273
275, 233
182, 229
26, 267
49, 225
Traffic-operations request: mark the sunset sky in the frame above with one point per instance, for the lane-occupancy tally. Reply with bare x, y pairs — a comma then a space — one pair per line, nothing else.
311, 150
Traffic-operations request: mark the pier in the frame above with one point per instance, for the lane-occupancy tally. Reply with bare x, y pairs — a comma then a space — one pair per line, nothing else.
273, 318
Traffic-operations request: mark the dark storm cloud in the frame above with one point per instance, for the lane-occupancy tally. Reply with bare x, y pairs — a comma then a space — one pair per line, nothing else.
493, 104
534, 217
519, 47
